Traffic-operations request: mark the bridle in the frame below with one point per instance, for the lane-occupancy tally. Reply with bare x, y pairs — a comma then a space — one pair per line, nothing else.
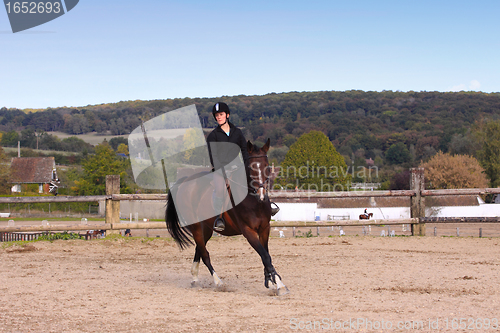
265, 184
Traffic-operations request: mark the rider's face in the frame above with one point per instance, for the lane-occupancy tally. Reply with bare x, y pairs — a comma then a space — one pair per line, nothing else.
221, 117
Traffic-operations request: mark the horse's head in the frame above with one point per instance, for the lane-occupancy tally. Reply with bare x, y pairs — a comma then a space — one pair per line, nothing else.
259, 171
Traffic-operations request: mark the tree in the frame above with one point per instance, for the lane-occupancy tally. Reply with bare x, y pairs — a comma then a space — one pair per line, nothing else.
48, 142
79, 125
289, 140
122, 149
28, 138
463, 144
256, 129
4, 173
10, 139
313, 163
116, 141
100, 126
96, 167
191, 139
75, 144
488, 135
277, 155
444, 171
398, 154
400, 181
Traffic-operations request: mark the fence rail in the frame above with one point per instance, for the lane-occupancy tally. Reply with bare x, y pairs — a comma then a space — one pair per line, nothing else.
273, 195
89, 198
461, 191
298, 224
113, 198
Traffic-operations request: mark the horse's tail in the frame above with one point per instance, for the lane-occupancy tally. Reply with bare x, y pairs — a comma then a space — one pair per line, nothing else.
178, 233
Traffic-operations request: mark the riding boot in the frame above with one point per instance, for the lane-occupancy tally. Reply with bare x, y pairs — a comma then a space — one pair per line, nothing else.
275, 209
219, 224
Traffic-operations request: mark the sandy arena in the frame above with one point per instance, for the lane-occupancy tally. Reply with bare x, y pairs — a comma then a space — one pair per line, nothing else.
342, 284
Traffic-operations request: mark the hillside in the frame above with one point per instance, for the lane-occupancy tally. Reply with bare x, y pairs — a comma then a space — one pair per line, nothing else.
361, 125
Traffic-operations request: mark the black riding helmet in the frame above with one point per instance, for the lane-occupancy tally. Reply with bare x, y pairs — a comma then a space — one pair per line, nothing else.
220, 107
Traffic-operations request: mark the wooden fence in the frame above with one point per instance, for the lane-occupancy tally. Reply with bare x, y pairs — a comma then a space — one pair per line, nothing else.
14, 236
417, 195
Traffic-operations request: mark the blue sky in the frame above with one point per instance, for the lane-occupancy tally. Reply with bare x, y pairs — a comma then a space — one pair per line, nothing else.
110, 51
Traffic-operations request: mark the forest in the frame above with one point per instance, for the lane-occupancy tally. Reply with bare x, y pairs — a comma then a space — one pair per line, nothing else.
396, 130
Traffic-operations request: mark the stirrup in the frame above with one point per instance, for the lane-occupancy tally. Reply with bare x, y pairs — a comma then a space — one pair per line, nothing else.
219, 224
274, 210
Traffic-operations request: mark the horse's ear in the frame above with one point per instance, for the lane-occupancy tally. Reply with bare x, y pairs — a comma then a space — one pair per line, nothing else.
249, 146
265, 148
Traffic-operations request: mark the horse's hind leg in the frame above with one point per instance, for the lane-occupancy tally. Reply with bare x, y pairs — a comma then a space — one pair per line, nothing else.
201, 236
205, 256
196, 267
206, 261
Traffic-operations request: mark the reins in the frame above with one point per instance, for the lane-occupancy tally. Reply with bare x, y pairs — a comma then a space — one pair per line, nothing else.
251, 188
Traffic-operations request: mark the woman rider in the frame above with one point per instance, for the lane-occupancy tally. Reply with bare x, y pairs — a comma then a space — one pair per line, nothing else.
224, 132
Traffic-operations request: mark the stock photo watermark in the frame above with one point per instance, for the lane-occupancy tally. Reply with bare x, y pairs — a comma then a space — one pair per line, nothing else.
25, 15
430, 324
313, 178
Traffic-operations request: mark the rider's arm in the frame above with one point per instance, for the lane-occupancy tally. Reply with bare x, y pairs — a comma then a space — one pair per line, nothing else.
243, 146
212, 151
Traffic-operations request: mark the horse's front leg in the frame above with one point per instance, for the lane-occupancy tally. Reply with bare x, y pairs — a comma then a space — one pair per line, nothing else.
264, 237
259, 243
269, 272
272, 276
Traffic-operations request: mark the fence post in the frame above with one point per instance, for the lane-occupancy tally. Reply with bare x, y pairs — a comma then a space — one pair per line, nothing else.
112, 207
417, 207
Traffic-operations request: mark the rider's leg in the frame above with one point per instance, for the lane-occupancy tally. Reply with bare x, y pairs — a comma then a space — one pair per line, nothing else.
218, 200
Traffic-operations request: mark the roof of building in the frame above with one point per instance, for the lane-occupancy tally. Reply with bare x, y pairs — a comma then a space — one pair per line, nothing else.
31, 169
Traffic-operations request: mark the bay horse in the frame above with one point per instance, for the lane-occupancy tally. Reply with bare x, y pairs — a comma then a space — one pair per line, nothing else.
364, 217
250, 218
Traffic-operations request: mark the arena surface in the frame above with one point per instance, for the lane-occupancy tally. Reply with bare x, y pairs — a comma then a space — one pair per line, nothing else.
341, 284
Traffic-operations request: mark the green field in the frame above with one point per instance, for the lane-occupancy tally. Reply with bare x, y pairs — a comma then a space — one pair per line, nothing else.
92, 138
45, 152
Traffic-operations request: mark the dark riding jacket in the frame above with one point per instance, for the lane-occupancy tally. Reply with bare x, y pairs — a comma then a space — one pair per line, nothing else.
221, 157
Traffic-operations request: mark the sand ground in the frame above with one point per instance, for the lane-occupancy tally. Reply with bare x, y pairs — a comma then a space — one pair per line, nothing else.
342, 284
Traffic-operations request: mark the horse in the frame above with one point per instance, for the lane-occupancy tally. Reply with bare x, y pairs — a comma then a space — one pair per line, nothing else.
250, 218
91, 234
364, 217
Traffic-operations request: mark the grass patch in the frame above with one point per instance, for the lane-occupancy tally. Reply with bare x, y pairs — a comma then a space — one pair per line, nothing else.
6, 245
60, 235
304, 235
69, 219
92, 137
41, 151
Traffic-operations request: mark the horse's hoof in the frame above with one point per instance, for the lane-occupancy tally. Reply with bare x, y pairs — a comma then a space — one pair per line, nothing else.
194, 283
222, 287
283, 291
217, 280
